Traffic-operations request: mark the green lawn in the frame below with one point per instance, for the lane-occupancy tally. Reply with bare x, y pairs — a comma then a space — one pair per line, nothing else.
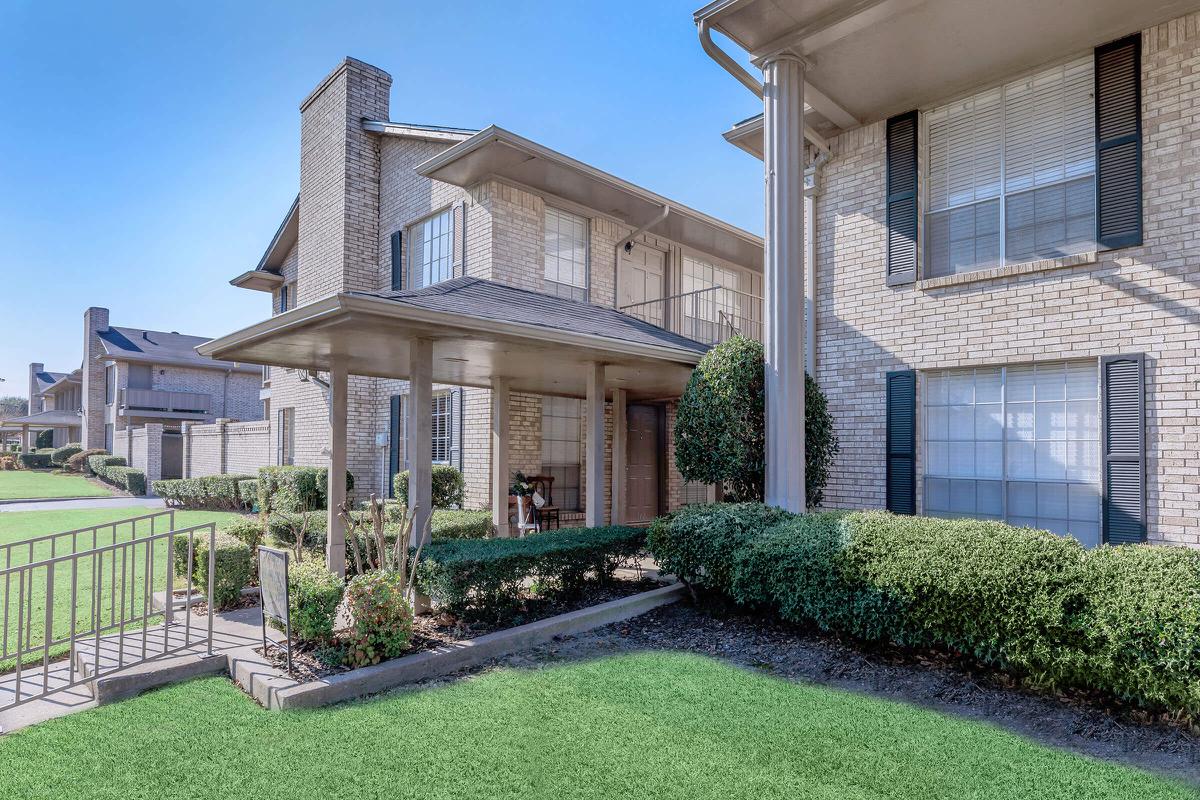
18, 526
644, 726
28, 485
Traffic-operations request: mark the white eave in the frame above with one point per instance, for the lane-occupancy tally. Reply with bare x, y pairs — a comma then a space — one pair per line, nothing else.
497, 153
877, 58
421, 133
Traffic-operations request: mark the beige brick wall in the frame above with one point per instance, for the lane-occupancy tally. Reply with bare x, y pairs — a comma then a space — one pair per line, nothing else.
226, 447
1140, 299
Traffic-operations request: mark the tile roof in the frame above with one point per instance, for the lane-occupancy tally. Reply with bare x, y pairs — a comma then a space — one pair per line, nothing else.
482, 299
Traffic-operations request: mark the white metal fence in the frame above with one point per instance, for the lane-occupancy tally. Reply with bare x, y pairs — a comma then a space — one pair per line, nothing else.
708, 316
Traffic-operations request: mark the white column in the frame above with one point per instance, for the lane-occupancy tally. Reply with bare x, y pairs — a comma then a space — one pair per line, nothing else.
500, 463
620, 432
783, 311
25, 439
335, 540
595, 445
420, 435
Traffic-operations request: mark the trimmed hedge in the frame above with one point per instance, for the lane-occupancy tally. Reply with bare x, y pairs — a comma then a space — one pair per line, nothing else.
451, 523
79, 461
485, 576
112, 469
1123, 620
59, 456
210, 491
234, 566
245, 529
247, 490
104, 460
293, 489
448, 491
35, 460
314, 594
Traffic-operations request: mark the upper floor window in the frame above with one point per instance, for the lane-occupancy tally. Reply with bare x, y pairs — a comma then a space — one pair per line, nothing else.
431, 250
566, 254
1012, 173
110, 384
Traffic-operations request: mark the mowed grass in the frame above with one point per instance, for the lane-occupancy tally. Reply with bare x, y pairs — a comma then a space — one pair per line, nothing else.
19, 526
29, 485
661, 725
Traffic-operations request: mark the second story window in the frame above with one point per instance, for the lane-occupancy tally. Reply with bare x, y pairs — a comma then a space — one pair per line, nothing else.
110, 384
431, 250
1012, 173
287, 297
566, 254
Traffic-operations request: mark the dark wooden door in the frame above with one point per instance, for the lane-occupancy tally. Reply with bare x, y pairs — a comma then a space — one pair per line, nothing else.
642, 463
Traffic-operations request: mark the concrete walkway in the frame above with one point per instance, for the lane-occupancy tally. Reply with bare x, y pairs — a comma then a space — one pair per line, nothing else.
87, 502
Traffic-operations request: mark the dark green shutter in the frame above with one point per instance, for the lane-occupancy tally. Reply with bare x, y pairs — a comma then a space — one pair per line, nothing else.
395, 431
902, 199
456, 437
1123, 441
397, 261
902, 442
1119, 142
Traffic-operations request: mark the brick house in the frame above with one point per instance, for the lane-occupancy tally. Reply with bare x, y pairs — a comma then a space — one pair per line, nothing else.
53, 405
1005, 204
517, 278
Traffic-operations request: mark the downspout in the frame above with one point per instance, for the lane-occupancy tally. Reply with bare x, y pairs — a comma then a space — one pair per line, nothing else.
626, 244
810, 256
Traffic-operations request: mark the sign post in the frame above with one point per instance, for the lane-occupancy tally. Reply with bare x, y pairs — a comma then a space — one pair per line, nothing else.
273, 593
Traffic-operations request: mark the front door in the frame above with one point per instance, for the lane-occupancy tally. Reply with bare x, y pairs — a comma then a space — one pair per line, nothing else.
642, 464
641, 280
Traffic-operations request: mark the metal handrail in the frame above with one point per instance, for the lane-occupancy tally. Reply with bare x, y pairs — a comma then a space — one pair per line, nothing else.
113, 570
703, 314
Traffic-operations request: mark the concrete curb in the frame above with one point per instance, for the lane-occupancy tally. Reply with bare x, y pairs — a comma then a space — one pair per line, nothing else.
18, 500
278, 692
133, 681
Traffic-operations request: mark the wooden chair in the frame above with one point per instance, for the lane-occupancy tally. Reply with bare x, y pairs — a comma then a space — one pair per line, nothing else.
544, 485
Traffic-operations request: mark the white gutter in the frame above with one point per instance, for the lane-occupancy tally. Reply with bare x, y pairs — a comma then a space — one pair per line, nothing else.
746, 79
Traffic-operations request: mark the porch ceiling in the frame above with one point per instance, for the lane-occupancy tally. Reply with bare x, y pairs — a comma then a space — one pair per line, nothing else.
371, 335
876, 58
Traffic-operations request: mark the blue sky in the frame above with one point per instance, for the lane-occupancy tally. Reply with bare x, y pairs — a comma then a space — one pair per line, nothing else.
149, 150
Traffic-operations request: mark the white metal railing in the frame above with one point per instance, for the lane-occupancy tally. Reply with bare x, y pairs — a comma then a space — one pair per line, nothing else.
163, 400
96, 596
707, 316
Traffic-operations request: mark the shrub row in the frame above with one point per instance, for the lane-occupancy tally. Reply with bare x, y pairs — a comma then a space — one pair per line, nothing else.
59, 457
35, 460
247, 490
210, 491
292, 489
448, 491
113, 470
234, 565
1123, 620
79, 461
101, 460
485, 576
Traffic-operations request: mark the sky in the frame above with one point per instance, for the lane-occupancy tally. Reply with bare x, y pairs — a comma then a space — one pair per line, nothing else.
148, 151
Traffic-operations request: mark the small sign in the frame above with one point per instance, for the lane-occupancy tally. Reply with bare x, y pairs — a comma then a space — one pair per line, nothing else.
273, 583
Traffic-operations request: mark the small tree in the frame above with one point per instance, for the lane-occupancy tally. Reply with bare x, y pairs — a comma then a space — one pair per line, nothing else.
45, 439
720, 424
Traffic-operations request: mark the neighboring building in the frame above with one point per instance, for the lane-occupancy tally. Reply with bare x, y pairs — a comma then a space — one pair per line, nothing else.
53, 405
494, 234
1007, 207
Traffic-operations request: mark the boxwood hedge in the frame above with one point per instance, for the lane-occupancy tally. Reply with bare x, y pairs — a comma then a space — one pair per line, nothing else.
220, 492
1122, 620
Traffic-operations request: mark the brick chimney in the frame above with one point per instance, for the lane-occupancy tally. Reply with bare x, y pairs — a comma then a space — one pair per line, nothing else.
339, 181
35, 402
95, 320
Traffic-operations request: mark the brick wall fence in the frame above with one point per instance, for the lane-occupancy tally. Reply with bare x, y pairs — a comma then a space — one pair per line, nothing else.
226, 447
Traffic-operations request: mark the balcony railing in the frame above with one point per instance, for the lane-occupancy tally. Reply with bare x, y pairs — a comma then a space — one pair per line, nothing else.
159, 401
708, 316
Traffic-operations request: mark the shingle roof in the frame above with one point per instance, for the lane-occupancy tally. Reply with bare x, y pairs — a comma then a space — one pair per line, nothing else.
45, 380
50, 419
482, 299
137, 344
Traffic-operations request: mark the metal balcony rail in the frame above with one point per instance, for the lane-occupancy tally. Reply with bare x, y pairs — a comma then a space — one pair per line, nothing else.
162, 400
102, 598
708, 316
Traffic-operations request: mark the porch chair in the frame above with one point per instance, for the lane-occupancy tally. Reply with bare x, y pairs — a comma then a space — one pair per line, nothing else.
547, 512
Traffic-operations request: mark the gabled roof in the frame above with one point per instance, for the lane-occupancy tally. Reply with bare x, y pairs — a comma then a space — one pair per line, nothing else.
44, 380
68, 378
488, 300
159, 347
265, 277
46, 419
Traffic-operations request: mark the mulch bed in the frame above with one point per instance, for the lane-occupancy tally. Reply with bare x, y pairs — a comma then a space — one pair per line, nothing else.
430, 631
1084, 723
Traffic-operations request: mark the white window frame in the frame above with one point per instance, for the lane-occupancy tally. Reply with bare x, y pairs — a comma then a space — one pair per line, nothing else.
447, 237
553, 284
925, 170
441, 405
547, 464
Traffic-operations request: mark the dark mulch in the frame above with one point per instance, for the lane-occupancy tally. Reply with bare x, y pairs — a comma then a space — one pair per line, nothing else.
1085, 724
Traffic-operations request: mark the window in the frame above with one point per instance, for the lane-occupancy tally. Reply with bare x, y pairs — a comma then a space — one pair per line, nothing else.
110, 386
566, 256
442, 415
431, 250
694, 493
266, 375
287, 297
562, 431
710, 300
286, 430
1020, 444
108, 436
1012, 173
141, 376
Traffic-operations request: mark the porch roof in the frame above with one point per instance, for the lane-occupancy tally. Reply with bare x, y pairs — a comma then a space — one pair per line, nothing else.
481, 330
44, 419
876, 58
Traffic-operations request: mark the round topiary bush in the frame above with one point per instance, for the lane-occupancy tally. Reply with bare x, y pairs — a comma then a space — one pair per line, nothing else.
314, 596
381, 618
720, 425
448, 489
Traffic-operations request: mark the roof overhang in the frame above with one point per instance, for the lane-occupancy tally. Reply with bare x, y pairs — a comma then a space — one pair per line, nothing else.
258, 280
171, 361
420, 133
65, 380
371, 336
266, 277
876, 58
44, 420
497, 153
